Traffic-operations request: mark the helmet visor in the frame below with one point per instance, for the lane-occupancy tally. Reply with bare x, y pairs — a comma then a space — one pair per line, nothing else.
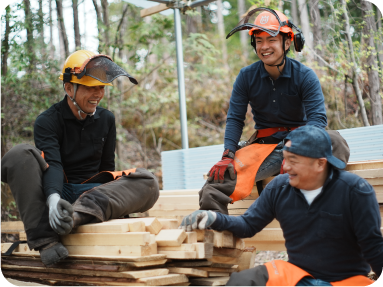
103, 69
246, 23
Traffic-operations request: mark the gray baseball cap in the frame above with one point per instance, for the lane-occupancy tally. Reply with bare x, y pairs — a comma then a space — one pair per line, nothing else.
313, 142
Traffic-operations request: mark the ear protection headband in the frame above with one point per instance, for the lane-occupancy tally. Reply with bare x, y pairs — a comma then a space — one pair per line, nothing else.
299, 39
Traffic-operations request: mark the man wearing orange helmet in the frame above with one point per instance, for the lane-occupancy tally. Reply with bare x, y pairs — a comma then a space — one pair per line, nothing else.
283, 95
69, 178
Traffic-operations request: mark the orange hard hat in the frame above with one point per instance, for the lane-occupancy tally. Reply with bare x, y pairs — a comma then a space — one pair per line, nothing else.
269, 21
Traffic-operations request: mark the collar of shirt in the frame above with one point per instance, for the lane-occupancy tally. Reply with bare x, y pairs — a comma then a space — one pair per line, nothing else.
68, 114
286, 73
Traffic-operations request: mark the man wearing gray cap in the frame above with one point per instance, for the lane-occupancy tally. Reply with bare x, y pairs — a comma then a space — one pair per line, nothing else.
330, 219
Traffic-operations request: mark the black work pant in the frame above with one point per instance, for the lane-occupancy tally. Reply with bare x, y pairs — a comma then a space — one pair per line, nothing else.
22, 168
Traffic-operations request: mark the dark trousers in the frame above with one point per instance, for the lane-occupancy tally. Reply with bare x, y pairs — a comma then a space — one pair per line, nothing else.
22, 168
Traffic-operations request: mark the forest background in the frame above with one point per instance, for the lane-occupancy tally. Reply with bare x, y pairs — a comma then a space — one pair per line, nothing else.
344, 46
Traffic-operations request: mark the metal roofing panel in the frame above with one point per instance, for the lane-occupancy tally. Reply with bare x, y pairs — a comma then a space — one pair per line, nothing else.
184, 169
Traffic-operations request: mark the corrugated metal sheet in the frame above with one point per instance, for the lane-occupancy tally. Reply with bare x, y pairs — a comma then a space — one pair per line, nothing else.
184, 169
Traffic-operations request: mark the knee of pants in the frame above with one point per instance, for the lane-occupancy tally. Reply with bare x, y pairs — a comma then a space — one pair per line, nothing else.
257, 276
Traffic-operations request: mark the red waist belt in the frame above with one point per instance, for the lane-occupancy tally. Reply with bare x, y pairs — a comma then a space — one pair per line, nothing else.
270, 131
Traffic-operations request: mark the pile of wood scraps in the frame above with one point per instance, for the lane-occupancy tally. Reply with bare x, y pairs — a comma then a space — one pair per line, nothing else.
139, 251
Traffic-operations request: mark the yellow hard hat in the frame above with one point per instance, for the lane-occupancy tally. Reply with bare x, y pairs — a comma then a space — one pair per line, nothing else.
89, 69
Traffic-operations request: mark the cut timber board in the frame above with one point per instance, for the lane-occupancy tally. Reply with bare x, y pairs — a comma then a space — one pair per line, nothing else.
191, 237
170, 237
224, 239
103, 228
188, 271
153, 10
148, 281
368, 173
216, 281
204, 235
179, 254
124, 274
182, 247
128, 238
227, 252
12, 226
110, 250
168, 223
370, 164
152, 224
204, 250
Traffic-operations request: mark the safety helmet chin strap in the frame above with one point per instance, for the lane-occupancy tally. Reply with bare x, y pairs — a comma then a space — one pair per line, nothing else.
79, 110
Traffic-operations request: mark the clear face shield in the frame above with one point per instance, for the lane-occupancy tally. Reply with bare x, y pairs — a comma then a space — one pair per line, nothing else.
246, 22
101, 68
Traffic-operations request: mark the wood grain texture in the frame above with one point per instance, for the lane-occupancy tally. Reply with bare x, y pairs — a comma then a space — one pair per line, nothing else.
170, 237
108, 239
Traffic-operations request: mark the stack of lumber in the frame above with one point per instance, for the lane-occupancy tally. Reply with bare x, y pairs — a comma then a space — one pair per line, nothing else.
178, 203
14, 227
134, 252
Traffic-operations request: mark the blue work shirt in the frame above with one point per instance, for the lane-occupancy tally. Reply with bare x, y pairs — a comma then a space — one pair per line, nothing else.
292, 100
334, 238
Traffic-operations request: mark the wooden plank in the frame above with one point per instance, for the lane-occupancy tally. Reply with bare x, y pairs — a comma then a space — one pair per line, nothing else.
204, 250
168, 223
12, 226
206, 236
191, 237
153, 10
152, 224
368, 173
217, 269
109, 239
223, 239
190, 263
20, 248
22, 235
110, 250
215, 281
170, 237
223, 259
218, 274
375, 181
124, 274
103, 228
227, 252
246, 259
188, 271
182, 247
148, 281
179, 254
370, 164
239, 243
267, 246
137, 226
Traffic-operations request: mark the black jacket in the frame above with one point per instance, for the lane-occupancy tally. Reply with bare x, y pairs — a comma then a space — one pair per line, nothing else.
336, 237
80, 149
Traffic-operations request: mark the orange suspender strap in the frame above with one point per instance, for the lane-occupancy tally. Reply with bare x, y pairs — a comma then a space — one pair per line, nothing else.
270, 131
128, 171
358, 280
247, 161
282, 273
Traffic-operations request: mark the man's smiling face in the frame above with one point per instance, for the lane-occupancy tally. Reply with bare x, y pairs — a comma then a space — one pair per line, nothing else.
269, 49
304, 172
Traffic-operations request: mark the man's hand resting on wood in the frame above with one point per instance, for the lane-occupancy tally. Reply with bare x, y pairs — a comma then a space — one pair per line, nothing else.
199, 219
60, 214
219, 169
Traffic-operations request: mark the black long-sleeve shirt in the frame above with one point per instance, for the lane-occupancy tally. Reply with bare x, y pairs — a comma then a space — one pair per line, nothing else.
334, 238
80, 149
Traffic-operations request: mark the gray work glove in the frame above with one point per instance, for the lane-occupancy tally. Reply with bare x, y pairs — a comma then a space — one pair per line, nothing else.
60, 214
199, 219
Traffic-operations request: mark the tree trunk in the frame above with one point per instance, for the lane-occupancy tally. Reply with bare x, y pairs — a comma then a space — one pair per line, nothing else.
119, 38
5, 43
77, 37
379, 41
316, 21
221, 32
305, 25
372, 67
51, 46
243, 35
99, 23
29, 27
40, 28
105, 17
60, 19
354, 72
294, 12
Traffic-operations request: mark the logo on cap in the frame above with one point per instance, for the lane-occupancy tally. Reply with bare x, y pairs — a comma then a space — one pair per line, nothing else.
264, 19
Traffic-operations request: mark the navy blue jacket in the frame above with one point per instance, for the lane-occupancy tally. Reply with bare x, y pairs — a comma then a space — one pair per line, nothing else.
334, 238
294, 99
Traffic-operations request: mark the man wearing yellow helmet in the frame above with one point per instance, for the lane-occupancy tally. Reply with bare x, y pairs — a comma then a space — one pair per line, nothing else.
69, 178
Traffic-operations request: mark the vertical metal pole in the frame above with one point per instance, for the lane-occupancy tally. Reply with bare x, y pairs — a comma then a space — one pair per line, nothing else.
181, 79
